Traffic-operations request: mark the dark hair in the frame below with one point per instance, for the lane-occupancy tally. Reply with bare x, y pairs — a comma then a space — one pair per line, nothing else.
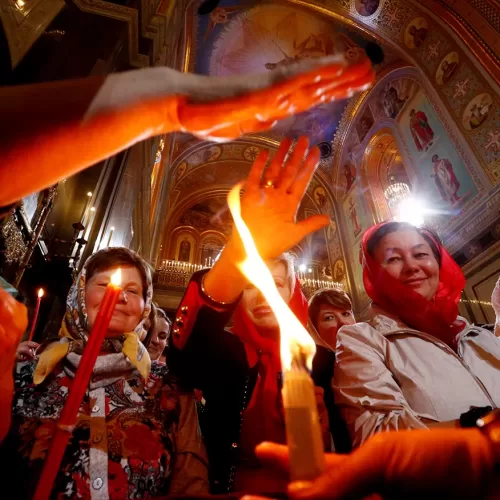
156, 315
391, 227
332, 297
115, 257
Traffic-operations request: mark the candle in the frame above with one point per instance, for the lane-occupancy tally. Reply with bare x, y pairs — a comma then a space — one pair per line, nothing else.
110, 235
297, 349
78, 387
85, 206
37, 310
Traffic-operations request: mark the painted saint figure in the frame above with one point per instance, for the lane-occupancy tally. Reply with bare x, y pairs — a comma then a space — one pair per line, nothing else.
448, 70
421, 131
418, 35
184, 251
350, 175
445, 179
392, 103
353, 214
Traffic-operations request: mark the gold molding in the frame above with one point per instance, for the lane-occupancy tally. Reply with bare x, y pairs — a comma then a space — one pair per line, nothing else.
119, 13
23, 29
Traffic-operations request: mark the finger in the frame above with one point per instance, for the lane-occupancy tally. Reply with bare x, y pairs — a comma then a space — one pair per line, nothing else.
278, 160
292, 166
305, 174
255, 175
30, 343
273, 455
356, 76
312, 224
260, 103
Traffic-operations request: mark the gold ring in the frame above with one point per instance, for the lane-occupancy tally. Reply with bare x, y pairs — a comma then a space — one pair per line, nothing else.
269, 184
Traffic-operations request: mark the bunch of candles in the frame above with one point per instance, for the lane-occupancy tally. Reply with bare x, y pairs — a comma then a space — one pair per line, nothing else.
297, 350
80, 383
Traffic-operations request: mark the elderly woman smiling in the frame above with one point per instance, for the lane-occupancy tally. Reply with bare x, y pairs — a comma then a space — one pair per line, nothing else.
134, 437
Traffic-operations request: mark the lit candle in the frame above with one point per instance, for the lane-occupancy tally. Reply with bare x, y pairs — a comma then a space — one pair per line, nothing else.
85, 207
78, 387
37, 310
297, 349
110, 235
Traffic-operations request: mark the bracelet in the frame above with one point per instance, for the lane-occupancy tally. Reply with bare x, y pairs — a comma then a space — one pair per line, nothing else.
208, 296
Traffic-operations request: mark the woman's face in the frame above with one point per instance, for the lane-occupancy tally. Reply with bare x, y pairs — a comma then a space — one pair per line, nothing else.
406, 256
255, 304
130, 306
330, 319
159, 337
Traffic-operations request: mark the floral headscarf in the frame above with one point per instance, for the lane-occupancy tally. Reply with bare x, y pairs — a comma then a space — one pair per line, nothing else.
74, 330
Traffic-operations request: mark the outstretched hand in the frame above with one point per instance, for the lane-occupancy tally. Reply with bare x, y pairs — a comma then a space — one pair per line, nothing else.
437, 463
269, 208
272, 197
260, 102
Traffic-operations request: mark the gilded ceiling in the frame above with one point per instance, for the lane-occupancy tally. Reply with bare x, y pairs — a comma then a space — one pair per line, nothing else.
434, 108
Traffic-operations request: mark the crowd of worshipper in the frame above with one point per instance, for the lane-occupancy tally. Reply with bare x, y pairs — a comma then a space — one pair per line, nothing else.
181, 408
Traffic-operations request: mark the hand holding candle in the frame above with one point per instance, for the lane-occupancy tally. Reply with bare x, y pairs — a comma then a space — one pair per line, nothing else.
78, 387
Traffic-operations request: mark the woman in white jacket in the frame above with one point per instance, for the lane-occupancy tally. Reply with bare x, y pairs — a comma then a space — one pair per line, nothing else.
414, 363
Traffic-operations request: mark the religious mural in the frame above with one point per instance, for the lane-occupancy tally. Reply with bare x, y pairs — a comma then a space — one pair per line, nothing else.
365, 123
237, 40
445, 181
366, 7
416, 32
209, 214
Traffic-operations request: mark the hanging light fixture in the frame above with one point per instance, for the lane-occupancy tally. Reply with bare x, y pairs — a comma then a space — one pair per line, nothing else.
396, 193
404, 206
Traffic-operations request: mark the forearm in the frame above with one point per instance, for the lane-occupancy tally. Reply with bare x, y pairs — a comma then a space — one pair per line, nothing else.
225, 282
54, 130
497, 329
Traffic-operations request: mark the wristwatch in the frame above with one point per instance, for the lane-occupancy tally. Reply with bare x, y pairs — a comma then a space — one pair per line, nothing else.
469, 418
489, 425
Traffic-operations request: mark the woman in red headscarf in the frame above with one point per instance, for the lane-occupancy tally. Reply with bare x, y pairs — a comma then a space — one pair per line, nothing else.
415, 363
239, 371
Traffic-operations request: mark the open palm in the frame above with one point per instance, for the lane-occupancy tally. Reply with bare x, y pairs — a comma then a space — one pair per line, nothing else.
272, 197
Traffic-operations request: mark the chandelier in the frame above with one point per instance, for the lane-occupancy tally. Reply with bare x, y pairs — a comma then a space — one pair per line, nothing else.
396, 193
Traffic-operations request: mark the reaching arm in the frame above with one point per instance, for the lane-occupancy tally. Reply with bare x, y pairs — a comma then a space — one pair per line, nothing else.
53, 130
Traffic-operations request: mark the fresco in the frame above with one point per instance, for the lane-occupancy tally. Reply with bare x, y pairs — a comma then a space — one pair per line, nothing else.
445, 181
208, 214
236, 40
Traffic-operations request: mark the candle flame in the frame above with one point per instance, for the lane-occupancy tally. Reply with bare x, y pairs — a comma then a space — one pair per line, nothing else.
294, 338
116, 278
40, 292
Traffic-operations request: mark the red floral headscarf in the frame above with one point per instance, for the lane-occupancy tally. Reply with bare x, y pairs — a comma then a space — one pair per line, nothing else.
437, 316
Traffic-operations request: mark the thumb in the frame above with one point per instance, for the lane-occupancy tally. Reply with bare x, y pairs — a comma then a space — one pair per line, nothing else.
313, 223
273, 455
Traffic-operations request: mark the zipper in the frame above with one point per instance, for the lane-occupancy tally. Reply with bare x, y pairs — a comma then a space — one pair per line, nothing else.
449, 350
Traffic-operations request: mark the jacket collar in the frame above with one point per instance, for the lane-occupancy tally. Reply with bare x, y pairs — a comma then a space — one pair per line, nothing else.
387, 323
